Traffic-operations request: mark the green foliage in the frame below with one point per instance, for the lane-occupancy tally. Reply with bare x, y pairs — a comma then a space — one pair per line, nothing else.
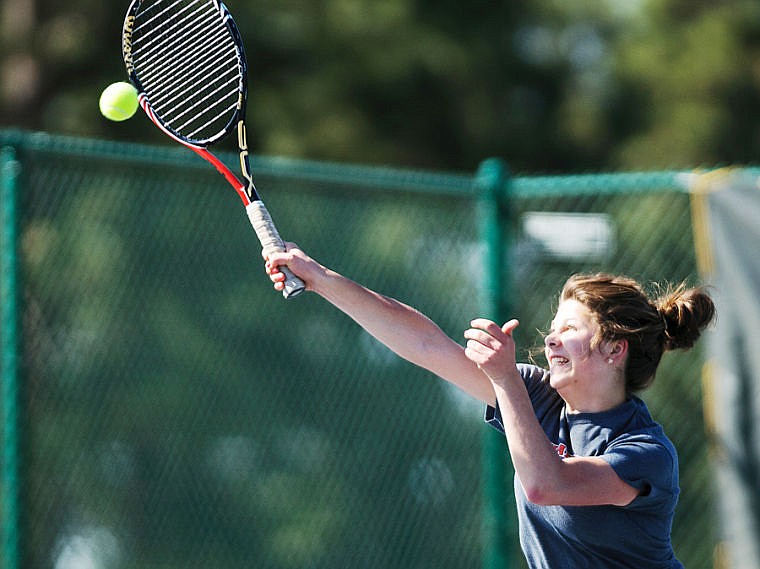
686, 63
547, 85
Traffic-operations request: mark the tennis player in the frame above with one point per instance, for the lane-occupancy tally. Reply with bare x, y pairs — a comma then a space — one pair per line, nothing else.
596, 479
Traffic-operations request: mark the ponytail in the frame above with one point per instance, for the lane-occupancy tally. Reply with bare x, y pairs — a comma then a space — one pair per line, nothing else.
674, 320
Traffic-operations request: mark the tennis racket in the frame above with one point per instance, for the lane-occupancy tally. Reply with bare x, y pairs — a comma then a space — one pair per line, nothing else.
186, 60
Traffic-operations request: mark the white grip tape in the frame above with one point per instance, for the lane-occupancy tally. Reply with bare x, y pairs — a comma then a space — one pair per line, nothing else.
264, 227
271, 242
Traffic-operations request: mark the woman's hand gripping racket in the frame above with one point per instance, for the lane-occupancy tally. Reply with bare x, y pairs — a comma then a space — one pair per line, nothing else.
186, 59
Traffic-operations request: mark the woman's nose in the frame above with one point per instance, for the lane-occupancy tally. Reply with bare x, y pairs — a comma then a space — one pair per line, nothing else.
550, 340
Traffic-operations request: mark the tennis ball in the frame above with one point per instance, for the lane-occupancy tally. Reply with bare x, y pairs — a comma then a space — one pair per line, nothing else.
118, 101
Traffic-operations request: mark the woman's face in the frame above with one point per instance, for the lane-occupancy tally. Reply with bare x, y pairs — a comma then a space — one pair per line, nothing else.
573, 363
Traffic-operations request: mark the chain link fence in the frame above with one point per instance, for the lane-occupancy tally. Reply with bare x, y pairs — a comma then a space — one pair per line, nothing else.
175, 412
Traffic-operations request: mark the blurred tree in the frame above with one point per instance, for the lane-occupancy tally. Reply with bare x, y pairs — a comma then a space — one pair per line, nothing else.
548, 85
694, 67
650, 83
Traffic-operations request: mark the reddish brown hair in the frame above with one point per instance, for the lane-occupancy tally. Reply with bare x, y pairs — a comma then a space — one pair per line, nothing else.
673, 320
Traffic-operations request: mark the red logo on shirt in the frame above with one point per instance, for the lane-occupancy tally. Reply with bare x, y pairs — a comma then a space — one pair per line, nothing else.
561, 449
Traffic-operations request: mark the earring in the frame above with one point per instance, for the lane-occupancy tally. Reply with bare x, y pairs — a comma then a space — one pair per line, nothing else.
609, 360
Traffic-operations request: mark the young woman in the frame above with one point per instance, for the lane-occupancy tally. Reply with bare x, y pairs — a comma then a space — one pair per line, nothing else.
596, 479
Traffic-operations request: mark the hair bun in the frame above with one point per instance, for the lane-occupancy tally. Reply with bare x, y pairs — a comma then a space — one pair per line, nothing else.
686, 313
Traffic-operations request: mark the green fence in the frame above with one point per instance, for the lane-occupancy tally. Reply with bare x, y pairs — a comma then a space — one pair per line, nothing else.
164, 408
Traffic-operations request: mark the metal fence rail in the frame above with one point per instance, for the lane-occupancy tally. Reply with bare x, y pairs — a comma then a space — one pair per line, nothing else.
164, 408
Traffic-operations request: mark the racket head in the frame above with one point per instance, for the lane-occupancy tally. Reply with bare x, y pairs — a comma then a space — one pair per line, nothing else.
187, 61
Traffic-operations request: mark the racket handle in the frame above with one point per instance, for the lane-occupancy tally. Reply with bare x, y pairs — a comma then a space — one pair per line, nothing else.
271, 243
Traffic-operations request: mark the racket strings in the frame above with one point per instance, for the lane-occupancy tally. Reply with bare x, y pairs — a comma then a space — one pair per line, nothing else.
156, 58
153, 53
174, 97
189, 66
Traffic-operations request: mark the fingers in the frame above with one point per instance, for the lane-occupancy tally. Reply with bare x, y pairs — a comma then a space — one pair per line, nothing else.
480, 343
272, 263
490, 345
275, 275
492, 329
276, 258
289, 246
298, 263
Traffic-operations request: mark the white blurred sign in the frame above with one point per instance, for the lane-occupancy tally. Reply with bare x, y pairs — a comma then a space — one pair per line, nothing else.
571, 236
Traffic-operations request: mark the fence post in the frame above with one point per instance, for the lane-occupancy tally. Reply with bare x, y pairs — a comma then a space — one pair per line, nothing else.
499, 523
10, 365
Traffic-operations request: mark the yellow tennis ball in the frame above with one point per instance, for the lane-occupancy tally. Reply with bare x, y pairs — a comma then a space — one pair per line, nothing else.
118, 101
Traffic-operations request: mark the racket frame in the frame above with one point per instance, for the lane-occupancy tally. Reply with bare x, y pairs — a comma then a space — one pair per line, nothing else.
256, 211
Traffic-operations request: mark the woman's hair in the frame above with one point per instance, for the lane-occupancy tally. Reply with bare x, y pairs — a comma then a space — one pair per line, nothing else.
673, 320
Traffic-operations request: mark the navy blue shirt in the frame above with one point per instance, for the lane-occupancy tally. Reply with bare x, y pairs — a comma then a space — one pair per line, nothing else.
636, 536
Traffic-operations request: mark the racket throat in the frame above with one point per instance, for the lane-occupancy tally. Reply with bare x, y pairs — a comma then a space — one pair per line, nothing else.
245, 166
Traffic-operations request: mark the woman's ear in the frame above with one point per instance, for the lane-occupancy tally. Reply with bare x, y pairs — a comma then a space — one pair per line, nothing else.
616, 351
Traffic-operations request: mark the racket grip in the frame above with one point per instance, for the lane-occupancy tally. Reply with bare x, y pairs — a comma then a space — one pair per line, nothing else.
271, 243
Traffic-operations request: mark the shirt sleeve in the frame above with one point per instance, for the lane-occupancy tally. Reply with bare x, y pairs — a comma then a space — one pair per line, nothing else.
535, 379
648, 464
